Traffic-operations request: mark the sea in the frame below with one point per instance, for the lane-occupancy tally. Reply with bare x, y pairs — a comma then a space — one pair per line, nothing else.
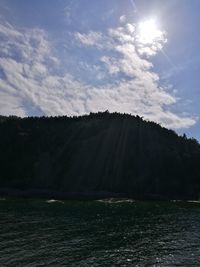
110, 232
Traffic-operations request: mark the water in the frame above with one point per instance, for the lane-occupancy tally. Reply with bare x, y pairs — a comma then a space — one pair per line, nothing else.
99, 233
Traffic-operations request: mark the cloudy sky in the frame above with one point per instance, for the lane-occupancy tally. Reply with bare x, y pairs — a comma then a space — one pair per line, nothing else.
71, 57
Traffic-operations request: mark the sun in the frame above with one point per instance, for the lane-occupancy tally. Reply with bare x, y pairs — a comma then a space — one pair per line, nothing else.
148, 32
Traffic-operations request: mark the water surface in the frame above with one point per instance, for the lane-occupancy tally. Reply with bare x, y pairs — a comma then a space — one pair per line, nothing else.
99, 233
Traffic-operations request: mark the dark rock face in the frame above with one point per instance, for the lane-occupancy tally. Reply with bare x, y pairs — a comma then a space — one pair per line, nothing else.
101, 152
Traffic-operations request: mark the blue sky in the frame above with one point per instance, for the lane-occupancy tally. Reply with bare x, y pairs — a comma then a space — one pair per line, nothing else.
71, 57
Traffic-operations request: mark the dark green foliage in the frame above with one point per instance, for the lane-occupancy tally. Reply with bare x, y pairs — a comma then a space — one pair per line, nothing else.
99, 152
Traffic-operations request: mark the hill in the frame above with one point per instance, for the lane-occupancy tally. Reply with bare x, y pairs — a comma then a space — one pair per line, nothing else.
97, 155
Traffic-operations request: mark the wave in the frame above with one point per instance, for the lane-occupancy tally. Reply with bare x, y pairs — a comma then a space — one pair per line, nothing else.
54, 201
115, 200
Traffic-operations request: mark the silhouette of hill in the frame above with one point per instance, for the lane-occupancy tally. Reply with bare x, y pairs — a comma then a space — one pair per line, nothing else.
96, 155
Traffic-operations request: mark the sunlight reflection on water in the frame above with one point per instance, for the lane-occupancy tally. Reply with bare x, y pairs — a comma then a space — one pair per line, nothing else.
99, 233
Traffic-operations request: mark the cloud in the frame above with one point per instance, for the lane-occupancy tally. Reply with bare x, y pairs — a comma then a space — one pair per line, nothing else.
122, 19
134, 6
92, 38
29, 70
68, 10
35, 82
137, 88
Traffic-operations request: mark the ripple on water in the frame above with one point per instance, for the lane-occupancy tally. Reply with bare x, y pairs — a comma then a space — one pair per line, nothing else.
93, 233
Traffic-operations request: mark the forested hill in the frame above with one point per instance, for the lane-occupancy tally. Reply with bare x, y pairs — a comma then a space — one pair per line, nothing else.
101, 153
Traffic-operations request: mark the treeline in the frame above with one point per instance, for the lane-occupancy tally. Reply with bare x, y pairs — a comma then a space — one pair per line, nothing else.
99, 152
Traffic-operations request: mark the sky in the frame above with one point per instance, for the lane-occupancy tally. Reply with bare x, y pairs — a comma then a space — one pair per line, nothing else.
73, 57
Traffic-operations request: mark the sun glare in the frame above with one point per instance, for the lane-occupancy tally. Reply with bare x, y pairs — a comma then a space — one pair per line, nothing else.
148, 32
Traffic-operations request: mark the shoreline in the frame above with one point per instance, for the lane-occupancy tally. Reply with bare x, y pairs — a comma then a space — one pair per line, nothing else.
92, 195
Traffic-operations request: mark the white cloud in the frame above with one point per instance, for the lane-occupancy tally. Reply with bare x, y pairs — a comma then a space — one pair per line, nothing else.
134, 6
33, 82
92, 38
68, 10
122, 19
142, 93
